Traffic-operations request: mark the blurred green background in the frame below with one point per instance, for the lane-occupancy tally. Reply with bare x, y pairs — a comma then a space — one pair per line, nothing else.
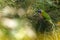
16, 16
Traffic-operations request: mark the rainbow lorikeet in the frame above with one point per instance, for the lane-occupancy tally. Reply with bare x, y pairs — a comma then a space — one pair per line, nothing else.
45, 23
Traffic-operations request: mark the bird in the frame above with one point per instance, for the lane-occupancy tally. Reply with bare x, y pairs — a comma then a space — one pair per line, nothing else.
44, 23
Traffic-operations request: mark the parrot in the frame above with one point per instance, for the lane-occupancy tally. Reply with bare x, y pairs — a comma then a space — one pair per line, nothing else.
45, 23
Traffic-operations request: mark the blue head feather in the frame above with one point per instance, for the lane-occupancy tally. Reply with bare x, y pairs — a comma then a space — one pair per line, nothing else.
39, 11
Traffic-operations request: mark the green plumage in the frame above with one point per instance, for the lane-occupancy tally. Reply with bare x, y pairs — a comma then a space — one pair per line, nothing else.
45, 24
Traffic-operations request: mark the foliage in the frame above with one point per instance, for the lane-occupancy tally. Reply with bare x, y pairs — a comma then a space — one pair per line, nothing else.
29, 16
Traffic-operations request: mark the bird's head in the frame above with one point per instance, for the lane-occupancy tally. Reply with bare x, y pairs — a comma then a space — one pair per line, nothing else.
39, 12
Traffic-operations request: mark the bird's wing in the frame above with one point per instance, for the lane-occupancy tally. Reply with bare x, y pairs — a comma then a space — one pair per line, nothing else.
47, 17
